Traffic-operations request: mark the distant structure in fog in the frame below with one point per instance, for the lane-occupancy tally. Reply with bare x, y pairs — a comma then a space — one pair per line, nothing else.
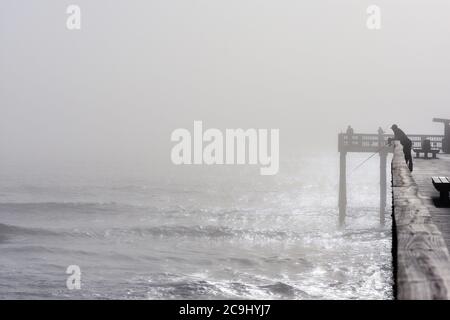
446, 140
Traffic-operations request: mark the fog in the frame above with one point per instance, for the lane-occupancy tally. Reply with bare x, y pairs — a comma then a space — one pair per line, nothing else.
112, 92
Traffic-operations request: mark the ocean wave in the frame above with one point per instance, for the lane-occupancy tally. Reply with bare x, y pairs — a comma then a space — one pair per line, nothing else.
194, 287
56, 205
10, 230
196, 231
189, 232
199, 231
90, 208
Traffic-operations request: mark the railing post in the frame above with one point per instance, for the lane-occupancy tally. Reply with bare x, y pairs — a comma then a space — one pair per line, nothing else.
340, 141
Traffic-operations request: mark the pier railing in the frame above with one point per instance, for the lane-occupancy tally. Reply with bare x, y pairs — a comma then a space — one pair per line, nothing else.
436, 140
363, 142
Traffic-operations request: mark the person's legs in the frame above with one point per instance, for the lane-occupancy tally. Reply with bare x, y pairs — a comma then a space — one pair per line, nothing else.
408, 158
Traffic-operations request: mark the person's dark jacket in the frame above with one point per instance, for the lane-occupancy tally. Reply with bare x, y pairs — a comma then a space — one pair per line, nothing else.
402, 137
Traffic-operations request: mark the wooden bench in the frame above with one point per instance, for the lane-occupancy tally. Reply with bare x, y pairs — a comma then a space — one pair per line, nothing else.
425, 152
425, 148
442, 184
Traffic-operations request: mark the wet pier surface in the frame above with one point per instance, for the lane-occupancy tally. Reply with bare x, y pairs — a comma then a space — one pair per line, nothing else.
421, 230
424, 169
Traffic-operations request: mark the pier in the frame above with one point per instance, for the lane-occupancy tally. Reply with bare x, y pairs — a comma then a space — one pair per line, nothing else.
350, 142
421, 229
421, 220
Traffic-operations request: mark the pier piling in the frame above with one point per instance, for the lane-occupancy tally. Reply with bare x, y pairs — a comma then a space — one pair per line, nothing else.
342, 187
383, 181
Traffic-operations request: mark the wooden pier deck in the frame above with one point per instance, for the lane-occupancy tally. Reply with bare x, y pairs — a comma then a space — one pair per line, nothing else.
423, 171
421, 229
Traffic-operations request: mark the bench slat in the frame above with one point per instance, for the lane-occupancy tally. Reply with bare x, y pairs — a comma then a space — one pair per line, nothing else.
440, 180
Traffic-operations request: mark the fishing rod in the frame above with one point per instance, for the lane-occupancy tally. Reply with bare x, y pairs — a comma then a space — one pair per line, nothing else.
371, 156
388, 143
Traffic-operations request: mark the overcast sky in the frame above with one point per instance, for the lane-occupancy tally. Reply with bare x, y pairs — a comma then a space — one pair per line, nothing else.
116, 89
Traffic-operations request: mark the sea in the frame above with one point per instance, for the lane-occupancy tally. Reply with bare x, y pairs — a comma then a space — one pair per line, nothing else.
219, 232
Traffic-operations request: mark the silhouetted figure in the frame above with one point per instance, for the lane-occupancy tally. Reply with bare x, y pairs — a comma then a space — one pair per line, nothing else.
350, 130
380, 131
426, 145
406, 143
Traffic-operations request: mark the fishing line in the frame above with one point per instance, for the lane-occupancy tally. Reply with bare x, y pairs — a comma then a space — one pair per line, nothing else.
360, 165
370, 157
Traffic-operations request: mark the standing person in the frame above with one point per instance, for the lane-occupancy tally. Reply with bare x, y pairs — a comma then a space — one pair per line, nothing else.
350, 130
406, 143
